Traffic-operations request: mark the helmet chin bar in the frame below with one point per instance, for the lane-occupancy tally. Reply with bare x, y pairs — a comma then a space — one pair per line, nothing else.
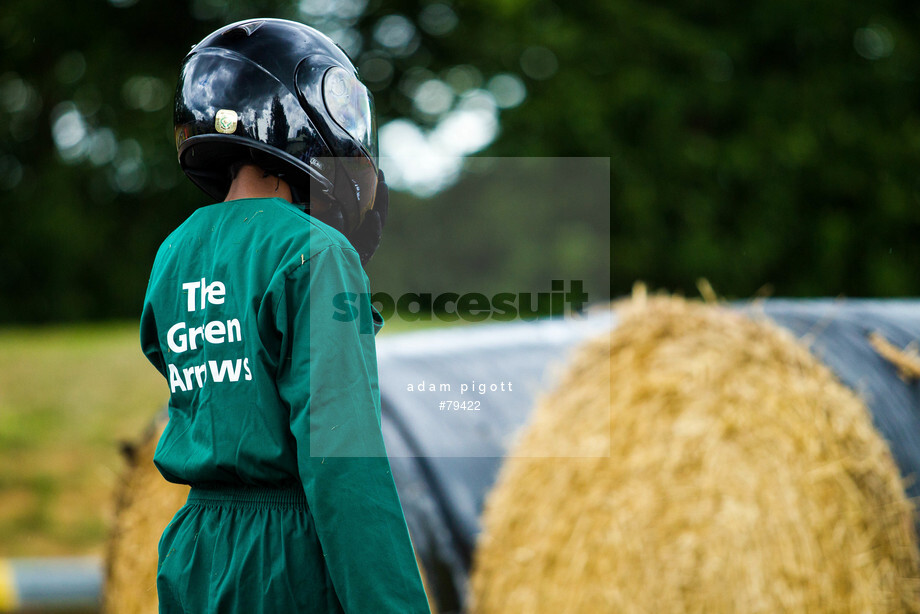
333, 217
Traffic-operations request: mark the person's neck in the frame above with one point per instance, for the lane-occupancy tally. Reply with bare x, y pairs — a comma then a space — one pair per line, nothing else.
252, 182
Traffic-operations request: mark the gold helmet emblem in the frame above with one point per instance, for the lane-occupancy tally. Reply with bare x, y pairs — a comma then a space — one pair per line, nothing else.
225, 121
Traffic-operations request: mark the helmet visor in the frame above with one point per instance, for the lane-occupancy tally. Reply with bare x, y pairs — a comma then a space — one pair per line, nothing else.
351, 105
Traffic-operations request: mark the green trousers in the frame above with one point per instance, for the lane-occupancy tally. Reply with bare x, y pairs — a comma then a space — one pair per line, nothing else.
243, 550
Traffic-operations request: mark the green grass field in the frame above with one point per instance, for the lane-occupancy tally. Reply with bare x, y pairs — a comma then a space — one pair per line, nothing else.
68, 396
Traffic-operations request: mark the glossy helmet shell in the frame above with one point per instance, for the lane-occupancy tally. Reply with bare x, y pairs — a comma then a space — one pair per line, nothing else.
287, 97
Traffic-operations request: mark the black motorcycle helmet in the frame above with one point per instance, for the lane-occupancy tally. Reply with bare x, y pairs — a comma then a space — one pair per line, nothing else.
287, 97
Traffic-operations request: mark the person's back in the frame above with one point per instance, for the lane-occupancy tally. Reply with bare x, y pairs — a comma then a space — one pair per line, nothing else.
214, 295
274, 404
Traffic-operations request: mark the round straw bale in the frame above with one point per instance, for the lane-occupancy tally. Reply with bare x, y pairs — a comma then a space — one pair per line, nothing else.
697, 460
145, 503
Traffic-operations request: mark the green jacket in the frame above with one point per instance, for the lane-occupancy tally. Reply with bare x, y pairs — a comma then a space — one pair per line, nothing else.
271, 386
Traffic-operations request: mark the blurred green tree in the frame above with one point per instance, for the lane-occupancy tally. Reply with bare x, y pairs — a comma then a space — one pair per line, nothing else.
752, 144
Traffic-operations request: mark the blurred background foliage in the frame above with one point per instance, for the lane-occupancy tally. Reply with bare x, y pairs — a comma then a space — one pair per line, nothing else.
762, 144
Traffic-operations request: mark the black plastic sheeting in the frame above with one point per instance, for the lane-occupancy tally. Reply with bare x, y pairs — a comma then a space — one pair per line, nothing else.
445, 461
837, 332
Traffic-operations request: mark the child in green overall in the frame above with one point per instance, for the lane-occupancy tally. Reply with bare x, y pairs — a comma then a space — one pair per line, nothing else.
274, 409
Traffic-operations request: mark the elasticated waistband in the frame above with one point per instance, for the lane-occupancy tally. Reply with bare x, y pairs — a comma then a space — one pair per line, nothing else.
241, 496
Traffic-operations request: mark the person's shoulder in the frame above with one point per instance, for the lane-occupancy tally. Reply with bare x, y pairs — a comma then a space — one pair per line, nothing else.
313, 234
290, 235
321, 234
298, 237
174, 237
